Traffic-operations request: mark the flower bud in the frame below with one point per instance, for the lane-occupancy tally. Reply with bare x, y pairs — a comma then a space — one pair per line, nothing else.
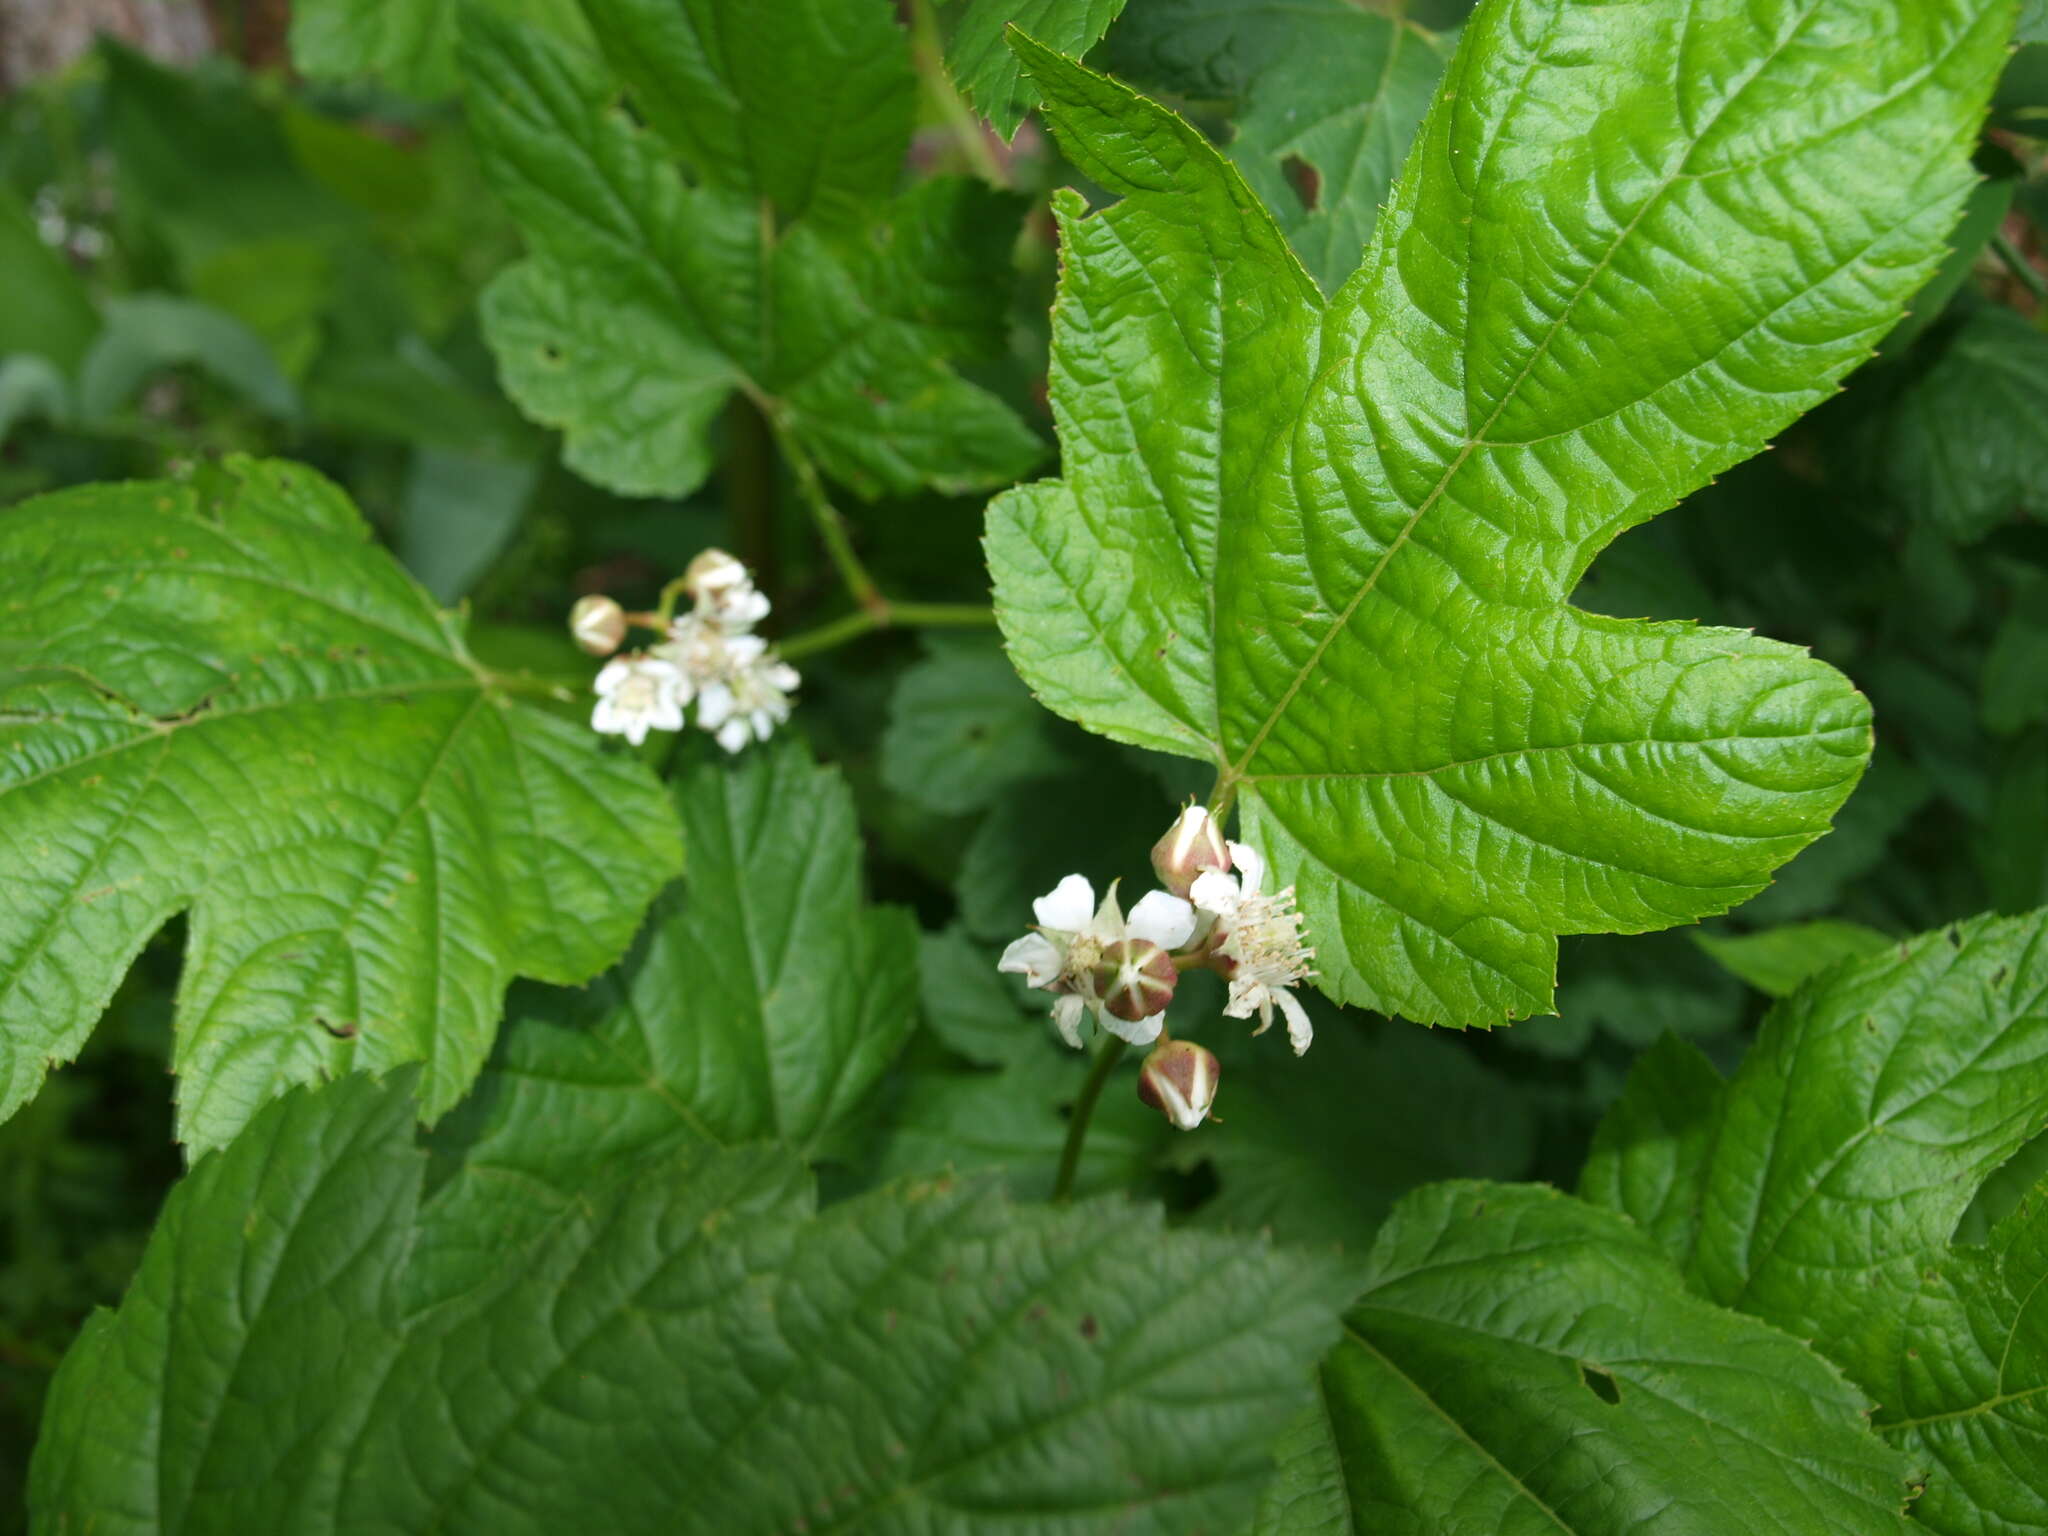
1134, 978
1192, 845
712, 572
1179, 1080
597, 624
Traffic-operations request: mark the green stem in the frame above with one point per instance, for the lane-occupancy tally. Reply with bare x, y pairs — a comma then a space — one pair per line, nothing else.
860, 586
2023, 269
888, 615
928, 54
750, 491
1107, 1055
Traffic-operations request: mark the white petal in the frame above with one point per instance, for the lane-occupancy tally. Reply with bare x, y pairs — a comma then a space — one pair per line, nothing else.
605, 719
1067, 906
667, 714
612, 673
764, 724
744, 650
1034, 957
714, 706
1143, 1032
1163, 918
1066, 1015
1299, 1030
1214, 892
636, 729
733, 734
784, 676
1250, 865
1244, 999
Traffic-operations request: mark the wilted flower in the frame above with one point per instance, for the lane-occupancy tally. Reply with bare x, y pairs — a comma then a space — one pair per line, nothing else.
750, 698
1257, 944
597, 624
1192, 846
1098, 961
637, 694
1179, 1080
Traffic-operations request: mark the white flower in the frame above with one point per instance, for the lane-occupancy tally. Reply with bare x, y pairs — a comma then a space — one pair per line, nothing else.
751, 698
1258, 944
637, 694
724, 592
701, 650
1098, 961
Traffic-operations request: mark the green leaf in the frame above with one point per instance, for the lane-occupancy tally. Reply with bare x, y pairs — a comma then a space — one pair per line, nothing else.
1318, 1150
693, 1351
1326, 99
1829, 1174
1327, 549
49, 313
409, 44
1523, 1362
457, 514
1016, 1120
781, 273
1650, 1148
217, 695
148, 332
963, 731
2016, 668
210, 163
1778, 961
762, 1001
988, 73
970, 1006
1954, 443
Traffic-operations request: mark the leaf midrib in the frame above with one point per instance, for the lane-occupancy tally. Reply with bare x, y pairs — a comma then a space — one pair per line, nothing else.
1234, 773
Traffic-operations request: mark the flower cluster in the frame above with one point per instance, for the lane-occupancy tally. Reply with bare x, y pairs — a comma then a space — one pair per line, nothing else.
1214, 913
709, 656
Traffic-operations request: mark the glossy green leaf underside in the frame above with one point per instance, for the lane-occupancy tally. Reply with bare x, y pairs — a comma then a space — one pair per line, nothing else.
217, 696
1820, 1187
762, 1001
787, 270
1327, 548
692, 1350
1521, 1362
409, 44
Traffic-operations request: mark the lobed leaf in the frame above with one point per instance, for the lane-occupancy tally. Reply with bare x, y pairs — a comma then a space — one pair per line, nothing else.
785, 273
762, 1001
218, 697
692, 1350
1328, 548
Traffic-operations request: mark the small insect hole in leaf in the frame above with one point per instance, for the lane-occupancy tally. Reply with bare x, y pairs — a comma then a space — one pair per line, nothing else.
1600, 1383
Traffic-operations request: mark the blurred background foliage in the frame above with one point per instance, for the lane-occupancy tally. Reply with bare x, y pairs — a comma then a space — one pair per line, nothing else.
204, 251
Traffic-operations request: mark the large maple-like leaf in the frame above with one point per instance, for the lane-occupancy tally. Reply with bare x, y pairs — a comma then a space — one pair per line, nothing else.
1328, 547
217, 696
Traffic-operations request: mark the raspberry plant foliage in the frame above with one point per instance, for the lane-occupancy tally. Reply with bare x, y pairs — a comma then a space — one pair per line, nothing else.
741, 1225
217, 695
1327, 548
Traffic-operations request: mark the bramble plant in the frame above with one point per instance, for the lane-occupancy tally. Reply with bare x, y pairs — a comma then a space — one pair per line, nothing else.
640, 638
